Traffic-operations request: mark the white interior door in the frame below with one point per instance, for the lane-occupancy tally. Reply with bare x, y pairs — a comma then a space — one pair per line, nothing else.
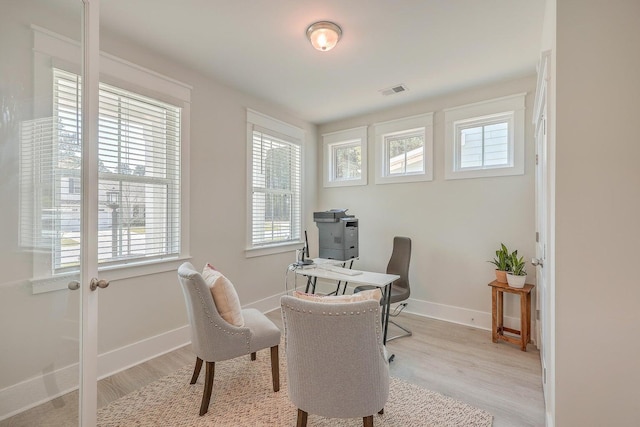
90, 235
48, 227
544, 295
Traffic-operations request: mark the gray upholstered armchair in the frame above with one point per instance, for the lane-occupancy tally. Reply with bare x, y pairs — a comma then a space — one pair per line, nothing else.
214, 339
336, 363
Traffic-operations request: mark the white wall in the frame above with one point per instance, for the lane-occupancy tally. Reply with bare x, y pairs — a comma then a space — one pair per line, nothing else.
597, 213
455, 225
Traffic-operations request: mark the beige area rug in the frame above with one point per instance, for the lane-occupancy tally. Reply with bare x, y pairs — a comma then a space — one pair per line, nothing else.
243, 396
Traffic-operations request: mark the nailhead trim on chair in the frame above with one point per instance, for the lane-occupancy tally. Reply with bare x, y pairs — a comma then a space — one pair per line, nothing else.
215, 325
344, 313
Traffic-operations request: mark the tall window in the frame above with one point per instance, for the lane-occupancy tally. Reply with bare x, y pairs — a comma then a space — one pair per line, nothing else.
345, 157
276, 181
139, 176
485, 139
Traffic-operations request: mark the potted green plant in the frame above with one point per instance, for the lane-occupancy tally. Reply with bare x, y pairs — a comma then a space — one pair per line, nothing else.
517, 274
501, 261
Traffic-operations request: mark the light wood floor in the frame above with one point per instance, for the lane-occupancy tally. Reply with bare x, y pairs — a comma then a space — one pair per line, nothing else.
454, 360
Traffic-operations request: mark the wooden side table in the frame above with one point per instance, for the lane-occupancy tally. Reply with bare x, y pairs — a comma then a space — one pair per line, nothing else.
497, 316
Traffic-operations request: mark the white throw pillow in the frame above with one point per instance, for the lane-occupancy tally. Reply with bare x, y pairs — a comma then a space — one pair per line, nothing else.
224, 295
374, 294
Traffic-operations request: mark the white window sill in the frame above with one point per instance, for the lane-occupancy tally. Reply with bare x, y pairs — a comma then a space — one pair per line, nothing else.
272, 249
395, 179
345, 183
484, 173
112, 273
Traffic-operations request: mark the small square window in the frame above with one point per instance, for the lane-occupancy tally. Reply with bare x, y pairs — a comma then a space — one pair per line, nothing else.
347, 161
405, 150
484, 143
485, 139
345, 157
404, 153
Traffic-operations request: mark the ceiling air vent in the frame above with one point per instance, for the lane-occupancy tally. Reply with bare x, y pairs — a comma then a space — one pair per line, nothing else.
393, 90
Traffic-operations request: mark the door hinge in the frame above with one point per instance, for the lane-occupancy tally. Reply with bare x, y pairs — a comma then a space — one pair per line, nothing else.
537, 237
536, 160
544, 375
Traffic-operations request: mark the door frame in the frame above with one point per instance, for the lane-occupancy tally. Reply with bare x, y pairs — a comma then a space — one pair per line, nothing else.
543, 120
88, 394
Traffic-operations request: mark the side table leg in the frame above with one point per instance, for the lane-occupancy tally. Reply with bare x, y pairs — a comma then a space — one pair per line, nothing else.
529, 317
500, 329
494, 314
524, 324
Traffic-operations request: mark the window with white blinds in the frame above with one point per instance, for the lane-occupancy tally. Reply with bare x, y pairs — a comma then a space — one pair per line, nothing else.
139, 177
276, 186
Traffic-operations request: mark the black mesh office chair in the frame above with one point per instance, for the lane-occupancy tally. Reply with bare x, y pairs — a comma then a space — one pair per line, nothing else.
400, 289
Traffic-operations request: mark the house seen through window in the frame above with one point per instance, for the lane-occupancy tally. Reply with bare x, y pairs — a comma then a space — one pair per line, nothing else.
485, 138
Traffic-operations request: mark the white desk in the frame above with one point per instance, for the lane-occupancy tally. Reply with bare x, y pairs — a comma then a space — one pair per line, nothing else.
380, 280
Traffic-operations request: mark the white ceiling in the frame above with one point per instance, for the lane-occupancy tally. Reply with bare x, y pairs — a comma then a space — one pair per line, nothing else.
259, 46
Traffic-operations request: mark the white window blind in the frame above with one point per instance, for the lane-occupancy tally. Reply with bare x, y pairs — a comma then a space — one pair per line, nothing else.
139, 177
276, 188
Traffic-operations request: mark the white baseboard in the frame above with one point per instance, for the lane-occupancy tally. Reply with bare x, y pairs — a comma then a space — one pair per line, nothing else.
266, 304
453, 314
447, 313
58, 381
459, 315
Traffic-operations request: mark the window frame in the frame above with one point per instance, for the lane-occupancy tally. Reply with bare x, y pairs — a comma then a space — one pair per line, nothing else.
422, 123
292, 135
331, 141
113, 137
509, 109
52, 50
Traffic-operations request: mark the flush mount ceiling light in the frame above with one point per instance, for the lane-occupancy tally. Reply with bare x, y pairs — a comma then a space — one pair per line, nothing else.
324, 35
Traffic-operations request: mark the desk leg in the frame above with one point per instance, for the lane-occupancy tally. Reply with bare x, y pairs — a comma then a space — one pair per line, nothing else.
385, 311
311, 284
494, 314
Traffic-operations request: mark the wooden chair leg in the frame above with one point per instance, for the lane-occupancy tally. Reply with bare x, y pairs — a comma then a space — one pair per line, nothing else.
196, 371
302, 418
275, 368
208, 388
253, 356
367, 421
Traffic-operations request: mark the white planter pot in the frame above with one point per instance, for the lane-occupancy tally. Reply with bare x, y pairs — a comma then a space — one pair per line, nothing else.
516, 281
